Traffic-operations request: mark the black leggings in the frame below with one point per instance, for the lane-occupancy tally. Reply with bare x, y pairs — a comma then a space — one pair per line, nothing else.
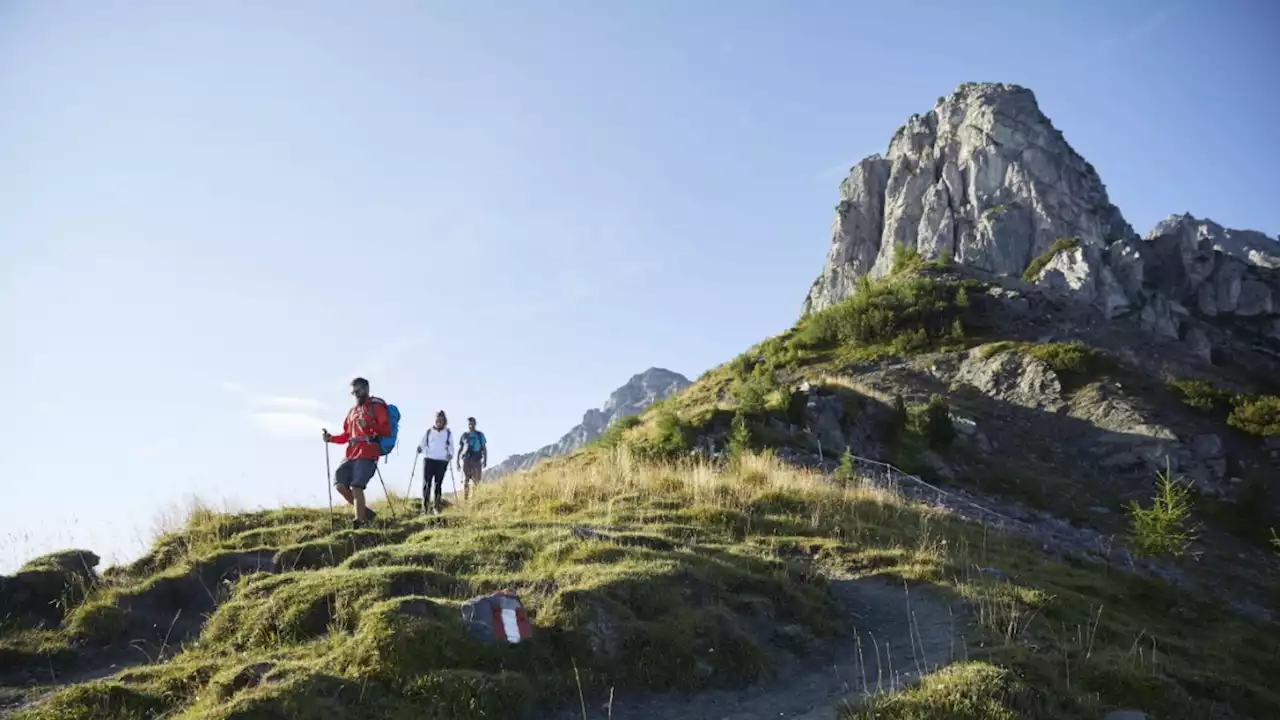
433, 474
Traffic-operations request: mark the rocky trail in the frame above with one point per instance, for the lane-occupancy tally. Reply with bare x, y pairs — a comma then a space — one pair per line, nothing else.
898, 633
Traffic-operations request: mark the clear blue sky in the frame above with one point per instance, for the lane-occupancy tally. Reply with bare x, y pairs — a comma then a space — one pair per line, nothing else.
214, 215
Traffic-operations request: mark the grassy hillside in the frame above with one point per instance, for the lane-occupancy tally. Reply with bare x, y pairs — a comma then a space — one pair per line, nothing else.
702, 577
677, 554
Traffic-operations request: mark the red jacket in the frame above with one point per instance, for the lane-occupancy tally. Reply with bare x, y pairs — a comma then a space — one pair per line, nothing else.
365, 422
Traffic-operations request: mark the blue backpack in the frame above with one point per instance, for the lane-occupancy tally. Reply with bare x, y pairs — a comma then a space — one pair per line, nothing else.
387, 444
475, 443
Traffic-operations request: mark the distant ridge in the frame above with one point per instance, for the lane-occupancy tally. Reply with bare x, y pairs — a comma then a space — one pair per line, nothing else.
641, 391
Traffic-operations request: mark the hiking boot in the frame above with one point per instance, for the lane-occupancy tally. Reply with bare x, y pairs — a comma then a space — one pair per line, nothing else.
357, 524
371, 517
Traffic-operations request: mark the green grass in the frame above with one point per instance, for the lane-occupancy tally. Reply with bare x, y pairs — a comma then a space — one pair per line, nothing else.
893, 316
1202, 396
700, 567
914, 310
1069, 358
1032, 273
612, 435
965, 691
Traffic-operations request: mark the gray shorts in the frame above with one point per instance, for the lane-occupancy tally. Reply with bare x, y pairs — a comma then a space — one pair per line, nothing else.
355, 473
472, 469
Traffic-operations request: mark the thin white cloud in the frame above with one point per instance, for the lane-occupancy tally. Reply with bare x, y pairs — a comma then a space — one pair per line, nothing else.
1135, 35
232, 386
295, 404
291, 424
389, 354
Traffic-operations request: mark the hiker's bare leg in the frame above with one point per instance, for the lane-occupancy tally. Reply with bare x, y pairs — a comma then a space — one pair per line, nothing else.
344, 491
358, 494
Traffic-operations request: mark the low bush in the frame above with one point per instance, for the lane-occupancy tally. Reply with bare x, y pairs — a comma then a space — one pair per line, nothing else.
612, 435
935, 423
1257, 416
893, 316
1069, 358
1202, 395
905, 259
668, 438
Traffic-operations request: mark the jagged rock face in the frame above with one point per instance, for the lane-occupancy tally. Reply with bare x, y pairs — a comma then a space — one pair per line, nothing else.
1200, 264
1013, 377
985, 180
638, 393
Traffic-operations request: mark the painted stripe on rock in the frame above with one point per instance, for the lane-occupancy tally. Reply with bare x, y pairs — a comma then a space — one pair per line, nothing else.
511, 625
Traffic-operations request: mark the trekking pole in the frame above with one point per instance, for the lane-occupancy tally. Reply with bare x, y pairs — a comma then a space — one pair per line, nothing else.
391, 505
411, 474
328, 482
454, 482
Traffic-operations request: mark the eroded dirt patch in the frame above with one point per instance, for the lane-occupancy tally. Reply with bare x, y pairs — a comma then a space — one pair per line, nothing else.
897, 634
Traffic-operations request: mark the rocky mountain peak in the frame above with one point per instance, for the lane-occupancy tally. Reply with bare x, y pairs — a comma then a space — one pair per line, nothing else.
985, 180
642, 390
638, 393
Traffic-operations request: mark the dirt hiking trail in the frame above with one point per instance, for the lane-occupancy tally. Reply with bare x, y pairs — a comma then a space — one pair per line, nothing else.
899, 634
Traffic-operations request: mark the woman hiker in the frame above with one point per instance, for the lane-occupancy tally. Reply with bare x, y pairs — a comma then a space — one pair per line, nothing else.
436, 449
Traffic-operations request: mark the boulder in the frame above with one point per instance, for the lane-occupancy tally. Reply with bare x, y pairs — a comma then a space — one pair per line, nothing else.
1013, 377
1208, 447
1081, 274
824, 415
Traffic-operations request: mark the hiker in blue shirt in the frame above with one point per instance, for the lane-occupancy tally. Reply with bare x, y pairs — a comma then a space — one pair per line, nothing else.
473, 457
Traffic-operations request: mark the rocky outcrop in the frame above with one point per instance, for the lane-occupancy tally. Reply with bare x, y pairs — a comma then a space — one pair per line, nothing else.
1013, 377
986, 181
638, 393
1197, 267
983, 179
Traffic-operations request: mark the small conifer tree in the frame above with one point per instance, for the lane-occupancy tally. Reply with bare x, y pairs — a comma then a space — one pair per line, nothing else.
739, 441
844, 473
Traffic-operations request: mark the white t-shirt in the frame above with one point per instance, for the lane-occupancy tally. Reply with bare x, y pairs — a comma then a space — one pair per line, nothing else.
437, 444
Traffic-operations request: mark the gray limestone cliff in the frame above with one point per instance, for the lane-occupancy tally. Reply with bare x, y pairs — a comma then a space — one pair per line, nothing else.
986, 181
638, 393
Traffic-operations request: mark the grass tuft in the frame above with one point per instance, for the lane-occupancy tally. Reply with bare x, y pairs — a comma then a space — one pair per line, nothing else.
1032, 273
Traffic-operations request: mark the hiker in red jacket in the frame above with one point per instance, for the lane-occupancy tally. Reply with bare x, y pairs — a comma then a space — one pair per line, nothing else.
365, 424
